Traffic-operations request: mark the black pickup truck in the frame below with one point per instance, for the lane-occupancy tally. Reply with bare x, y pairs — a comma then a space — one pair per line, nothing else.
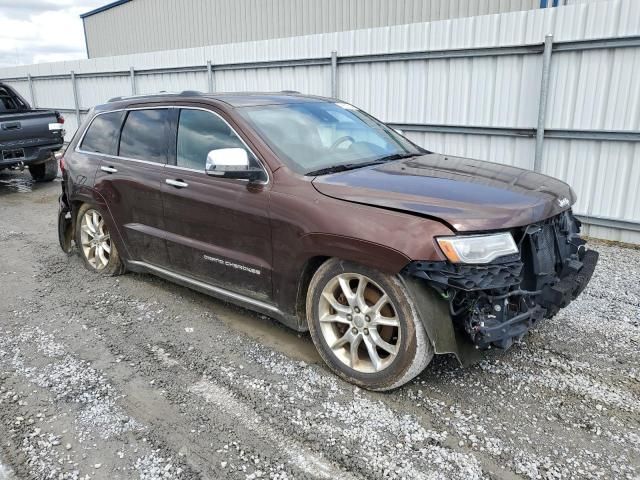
29, 137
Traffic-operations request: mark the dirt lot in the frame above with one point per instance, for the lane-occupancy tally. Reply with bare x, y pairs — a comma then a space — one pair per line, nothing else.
133, 377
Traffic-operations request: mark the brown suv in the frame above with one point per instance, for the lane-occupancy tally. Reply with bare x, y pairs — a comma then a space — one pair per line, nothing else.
312, 212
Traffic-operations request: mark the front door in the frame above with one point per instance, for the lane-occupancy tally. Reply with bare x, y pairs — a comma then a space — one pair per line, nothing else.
131, 183
217, 229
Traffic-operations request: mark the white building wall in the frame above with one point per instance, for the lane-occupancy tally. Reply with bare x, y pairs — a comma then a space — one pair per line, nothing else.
153, 25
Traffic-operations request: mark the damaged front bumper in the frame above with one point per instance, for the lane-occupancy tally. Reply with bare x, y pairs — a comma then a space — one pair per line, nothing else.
65, 222
497, 303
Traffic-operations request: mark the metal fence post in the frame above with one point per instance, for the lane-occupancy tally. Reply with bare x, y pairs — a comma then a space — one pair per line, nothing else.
132, 76
542, 106
75, 96
33, 97
210, 77
334, 74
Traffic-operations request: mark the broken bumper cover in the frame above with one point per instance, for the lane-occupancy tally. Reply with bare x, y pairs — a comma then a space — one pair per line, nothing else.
65, 223
545, 304
497, 303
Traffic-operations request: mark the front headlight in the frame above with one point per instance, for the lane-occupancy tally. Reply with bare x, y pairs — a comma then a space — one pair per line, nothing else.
477, 248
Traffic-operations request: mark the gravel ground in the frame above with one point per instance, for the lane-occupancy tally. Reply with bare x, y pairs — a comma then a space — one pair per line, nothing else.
5, 473
134, 377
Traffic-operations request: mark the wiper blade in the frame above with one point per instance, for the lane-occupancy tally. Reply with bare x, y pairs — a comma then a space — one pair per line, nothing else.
396, 156
328, 170
352, 166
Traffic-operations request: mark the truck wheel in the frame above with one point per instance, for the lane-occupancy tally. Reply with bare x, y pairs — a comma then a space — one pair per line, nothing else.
45, 172
97, 250
365, 326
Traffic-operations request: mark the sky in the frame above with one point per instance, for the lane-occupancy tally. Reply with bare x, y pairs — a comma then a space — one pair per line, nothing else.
37, 31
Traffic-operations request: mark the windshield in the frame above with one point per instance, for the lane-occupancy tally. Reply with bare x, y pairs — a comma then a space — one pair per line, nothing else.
315, 136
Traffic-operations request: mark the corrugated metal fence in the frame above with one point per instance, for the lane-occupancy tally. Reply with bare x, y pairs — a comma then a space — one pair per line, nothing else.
467, 86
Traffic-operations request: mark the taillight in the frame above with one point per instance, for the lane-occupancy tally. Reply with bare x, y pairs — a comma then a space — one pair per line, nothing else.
62, 164
59, 117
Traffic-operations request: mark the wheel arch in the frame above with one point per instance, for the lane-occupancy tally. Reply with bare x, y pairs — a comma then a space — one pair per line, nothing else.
91, 197
309, 268
434, 313
317, 248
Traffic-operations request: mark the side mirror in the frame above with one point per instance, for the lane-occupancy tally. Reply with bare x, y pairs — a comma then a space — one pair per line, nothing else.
231, 163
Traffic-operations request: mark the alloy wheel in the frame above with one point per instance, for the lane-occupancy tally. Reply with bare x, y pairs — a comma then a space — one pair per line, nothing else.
95, 239
359, 323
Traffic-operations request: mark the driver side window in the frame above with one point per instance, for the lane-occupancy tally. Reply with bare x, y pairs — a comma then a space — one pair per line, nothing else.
199, 132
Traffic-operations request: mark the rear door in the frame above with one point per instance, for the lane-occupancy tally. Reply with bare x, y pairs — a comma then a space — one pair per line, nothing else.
131, 183
218, 229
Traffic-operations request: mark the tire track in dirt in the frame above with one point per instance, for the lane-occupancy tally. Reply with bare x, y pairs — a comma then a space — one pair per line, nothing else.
150, 347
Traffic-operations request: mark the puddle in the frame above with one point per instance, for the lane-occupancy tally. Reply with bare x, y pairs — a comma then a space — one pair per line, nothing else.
264, 330
268, 332
19, 182
16, 183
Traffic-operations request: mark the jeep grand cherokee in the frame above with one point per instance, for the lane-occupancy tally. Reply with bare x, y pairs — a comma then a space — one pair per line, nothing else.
313, 212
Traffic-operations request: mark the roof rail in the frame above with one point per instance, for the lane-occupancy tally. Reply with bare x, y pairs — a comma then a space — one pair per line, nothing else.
294, 92
161, 92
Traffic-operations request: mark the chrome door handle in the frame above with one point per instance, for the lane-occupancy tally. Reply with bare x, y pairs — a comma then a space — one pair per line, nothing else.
176, 183
108, 169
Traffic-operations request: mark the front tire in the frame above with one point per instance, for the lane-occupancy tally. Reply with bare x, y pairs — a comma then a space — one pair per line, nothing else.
45, 172
365, 326
93, 239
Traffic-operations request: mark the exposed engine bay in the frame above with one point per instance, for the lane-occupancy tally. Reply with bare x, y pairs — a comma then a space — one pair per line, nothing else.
497, 303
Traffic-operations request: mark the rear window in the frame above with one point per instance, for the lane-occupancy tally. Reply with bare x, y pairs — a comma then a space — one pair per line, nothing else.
144, 137
102, 134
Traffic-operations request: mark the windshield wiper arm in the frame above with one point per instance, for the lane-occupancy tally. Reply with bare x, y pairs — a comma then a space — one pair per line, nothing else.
328, 170
352, 166
396, 156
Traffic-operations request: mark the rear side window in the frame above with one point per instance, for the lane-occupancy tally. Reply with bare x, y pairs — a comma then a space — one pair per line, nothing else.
102, 134
144, 137
199, 132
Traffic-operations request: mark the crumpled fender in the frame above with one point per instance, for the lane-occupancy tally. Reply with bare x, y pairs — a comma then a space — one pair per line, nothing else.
435, 316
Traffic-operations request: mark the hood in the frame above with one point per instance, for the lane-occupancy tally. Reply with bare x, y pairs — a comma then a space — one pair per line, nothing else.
468, 195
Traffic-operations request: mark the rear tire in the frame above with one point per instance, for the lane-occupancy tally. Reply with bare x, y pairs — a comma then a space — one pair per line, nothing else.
45, 172
365, 326
97, 249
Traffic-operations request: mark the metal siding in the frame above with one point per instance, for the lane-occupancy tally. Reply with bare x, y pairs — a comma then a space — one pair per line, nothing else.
171, 82
595, 89
626, 236
605, 175
311, 80
54, 93
97, 90
22, 87
153, 25
506, 150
